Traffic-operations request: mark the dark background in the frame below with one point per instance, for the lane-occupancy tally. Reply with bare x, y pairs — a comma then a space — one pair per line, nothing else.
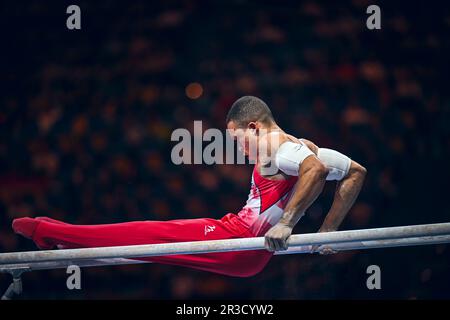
86, 118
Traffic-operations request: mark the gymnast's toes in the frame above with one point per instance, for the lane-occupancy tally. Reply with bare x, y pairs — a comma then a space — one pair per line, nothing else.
25, 226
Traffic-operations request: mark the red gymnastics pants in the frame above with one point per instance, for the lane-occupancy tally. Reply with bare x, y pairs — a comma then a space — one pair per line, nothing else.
238, 264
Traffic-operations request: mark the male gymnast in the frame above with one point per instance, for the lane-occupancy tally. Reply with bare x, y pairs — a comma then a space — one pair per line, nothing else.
278, 199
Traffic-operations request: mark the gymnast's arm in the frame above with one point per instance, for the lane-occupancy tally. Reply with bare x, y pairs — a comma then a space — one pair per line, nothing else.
348, 186
312, 173
349, 183
347, 191
292, 159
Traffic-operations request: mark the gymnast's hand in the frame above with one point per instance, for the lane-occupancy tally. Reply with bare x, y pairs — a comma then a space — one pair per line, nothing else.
323, 249
276, 238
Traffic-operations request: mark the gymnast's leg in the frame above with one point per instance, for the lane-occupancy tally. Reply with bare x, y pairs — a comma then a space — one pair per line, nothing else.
47, 233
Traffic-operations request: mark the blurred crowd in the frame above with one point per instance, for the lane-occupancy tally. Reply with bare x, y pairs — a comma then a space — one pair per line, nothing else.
86, 119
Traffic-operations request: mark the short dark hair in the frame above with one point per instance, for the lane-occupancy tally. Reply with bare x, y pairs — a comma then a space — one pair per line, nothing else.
247, 109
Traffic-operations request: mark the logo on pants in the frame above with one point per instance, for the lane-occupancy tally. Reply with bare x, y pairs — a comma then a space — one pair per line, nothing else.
209, 229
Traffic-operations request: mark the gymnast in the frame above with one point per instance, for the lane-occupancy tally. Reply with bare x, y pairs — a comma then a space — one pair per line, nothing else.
287, 178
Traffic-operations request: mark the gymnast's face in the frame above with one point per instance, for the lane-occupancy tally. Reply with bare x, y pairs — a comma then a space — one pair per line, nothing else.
246, 138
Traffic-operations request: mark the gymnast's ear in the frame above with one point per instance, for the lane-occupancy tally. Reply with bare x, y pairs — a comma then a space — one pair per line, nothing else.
253, 127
